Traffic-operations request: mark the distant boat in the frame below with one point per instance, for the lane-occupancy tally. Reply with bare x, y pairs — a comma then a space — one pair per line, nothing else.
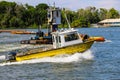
109, 23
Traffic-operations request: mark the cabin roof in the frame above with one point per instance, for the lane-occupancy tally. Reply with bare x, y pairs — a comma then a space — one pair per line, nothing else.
109, 20
64, 31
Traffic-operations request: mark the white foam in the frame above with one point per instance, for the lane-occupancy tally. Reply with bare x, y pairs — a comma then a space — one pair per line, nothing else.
57, 59
107, 40
2, 57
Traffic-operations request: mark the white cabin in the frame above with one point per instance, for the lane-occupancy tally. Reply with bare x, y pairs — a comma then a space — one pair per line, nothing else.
54, 16
65, 38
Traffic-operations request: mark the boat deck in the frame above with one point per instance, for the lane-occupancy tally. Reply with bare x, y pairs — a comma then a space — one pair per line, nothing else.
34, 50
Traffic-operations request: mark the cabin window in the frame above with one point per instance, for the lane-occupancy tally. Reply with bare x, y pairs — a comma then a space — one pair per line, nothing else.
49, 16
70, 37
52, 13
56, 39
59, 39
57, 13
53, 39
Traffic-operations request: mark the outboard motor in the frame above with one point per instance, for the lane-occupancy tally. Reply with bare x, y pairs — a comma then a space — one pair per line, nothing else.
11, 56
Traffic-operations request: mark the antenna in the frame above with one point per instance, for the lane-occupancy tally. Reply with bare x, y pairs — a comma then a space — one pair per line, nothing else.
54, 4
48, 2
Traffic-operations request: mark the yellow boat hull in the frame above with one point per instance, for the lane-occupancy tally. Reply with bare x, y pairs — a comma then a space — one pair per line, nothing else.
64, 50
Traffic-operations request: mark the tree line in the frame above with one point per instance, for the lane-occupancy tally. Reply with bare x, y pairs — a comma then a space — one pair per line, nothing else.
13, 15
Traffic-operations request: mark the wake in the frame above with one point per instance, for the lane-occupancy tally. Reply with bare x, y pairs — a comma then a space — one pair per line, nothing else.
77, 57
106, 40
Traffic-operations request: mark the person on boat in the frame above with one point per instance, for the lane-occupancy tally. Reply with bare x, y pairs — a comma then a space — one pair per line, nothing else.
39, 34
84, 37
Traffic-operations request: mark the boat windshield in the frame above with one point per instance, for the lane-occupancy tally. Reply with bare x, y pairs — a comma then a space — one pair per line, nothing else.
71, 37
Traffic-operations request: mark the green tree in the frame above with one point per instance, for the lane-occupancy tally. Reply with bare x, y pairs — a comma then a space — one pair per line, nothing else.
5, 21
18, 16
16, 22
76, 23
103, 14
113, 13
41, 14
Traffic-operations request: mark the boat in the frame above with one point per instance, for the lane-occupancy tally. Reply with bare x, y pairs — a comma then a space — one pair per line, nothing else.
64, 41
109, 23
17, 32
22, 32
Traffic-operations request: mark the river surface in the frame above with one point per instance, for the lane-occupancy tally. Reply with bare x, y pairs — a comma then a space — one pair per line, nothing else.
101, 62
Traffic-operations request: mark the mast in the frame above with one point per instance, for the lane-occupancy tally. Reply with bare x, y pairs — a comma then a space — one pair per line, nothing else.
67, 21
54, 18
